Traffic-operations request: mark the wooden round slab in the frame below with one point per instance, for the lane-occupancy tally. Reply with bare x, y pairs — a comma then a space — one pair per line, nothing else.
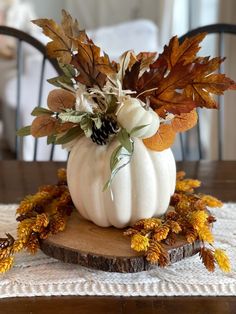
105, 249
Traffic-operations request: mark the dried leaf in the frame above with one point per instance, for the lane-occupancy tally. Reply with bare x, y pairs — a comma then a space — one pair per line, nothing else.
184, 121
152, 78
130, 80
93, 68
205, 82
60, 99
62, 36
70, 135
25, 131
37, 111
207, 258
61, 46
146, 58
163, 139
182, 53
171, 102
127, 60
43, 126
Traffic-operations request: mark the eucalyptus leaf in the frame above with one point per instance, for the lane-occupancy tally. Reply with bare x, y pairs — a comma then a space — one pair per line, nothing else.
25, 131
86, 125
114, 157
61, 81
119, 159
68, 70
125, 140
51, 139
98, 122
137, 128
72, 116
37, 111
69, 135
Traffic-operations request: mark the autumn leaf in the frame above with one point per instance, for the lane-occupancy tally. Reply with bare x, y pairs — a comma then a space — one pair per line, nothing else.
93, 68
130, 80
61, 46
60, 99
163, 139
184, 53
127, 60
43, 126
171, 102
62, 36
205, 83
165, 97
153, 77
146, 58
184, 121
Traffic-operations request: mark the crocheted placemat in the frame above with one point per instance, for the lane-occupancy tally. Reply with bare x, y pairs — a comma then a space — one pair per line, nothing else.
40, 275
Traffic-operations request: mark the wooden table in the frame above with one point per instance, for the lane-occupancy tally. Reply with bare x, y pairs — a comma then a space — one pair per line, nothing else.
20, 178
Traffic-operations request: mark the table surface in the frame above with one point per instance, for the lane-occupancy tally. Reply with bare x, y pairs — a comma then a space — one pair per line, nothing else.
18, 179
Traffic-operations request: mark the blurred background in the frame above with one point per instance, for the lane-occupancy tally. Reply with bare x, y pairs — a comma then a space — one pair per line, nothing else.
142, 25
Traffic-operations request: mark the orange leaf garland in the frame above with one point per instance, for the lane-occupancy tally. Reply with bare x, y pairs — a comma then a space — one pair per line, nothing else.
163, 139
184, 121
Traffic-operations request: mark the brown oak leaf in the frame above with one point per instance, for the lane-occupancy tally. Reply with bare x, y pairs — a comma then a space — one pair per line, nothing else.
205, 82
93, 68
62, 36
183, 53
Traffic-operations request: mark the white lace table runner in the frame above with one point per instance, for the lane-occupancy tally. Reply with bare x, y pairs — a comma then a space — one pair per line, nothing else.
40, 275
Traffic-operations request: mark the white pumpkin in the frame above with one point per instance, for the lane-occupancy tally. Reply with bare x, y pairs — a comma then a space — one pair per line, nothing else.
142, 189
132, 114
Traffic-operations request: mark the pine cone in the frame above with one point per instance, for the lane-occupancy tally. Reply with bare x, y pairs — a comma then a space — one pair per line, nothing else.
101, 135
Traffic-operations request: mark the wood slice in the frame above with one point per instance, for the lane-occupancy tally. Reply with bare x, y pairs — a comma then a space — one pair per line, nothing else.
106, 249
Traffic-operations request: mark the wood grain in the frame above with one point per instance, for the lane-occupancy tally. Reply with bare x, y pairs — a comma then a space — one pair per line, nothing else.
105, 248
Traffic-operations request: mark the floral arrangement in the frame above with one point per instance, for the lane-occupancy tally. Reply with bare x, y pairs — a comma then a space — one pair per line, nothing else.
143, 96
46, 213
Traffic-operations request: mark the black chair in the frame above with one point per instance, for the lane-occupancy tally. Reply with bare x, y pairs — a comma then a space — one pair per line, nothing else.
22, 37
220, 30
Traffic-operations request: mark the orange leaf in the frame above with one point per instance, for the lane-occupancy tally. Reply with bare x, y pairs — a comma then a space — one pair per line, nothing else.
205, 82
43, 126
171, 102
62, 36
182, 53
184, 121
163, 139
60, 99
